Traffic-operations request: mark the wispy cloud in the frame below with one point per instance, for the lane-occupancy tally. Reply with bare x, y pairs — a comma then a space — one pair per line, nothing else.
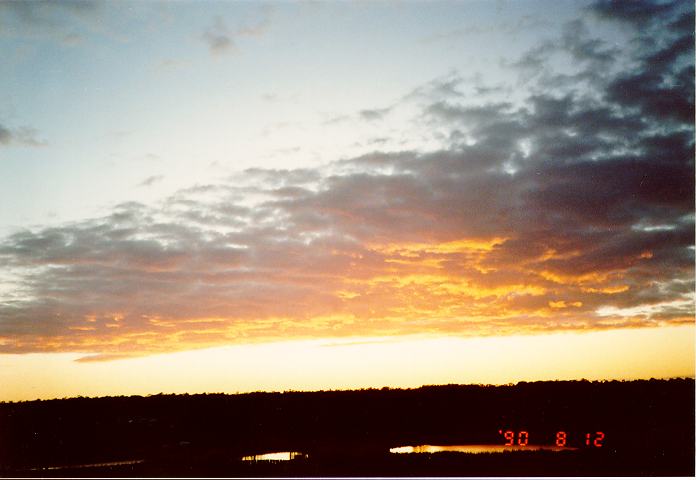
64, 22
525, 23
24, 136
221, 39
372, 114
218, 37
151, 180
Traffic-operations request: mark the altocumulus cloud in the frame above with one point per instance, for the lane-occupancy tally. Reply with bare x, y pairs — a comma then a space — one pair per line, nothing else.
570, 209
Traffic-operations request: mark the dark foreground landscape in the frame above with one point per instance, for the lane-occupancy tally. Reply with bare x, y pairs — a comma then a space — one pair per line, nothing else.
597, 428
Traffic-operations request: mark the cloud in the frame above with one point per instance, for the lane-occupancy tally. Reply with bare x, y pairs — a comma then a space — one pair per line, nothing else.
662, 84
571, 209
6, 135
46, 13
151, 180
442, 88
374, 113
591, 57
637, 13
524, 23
103, 358
64, 22
218, 37
221, 39
260, 27
22, 136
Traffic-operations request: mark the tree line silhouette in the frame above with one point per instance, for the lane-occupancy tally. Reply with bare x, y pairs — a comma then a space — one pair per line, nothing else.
648, 428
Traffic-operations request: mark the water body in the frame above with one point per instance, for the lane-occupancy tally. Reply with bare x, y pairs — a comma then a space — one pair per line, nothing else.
476, 448
275, 456
89, 465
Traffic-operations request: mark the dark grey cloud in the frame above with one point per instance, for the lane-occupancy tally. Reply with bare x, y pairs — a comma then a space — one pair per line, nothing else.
592, 59
577, 41
637, 13
662, 84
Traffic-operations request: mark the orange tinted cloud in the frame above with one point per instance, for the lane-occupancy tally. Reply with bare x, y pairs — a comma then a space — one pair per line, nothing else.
365, 291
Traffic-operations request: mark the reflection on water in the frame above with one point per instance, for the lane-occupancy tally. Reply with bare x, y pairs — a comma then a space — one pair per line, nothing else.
90, 465
476, 448
276, 456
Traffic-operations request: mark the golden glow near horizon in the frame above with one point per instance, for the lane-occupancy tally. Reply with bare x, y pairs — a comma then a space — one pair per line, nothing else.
359, 363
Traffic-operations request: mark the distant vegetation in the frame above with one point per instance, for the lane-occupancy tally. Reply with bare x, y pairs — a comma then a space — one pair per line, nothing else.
648, 427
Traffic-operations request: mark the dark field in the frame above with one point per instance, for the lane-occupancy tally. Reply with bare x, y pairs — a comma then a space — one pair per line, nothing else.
647, 429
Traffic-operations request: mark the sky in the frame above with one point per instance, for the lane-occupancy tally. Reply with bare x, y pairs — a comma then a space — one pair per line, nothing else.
239, 196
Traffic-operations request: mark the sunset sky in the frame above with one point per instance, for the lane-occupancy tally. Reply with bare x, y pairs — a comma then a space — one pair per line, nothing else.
239, 196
